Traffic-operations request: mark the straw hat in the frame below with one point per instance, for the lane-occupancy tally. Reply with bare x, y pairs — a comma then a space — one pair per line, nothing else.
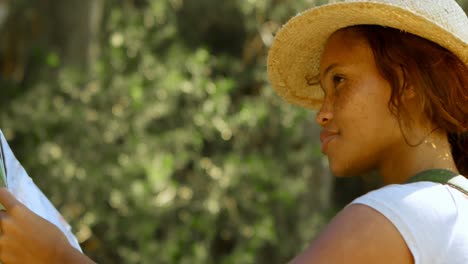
294, 57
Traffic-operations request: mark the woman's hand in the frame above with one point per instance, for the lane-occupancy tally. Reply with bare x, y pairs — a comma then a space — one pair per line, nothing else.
28, 238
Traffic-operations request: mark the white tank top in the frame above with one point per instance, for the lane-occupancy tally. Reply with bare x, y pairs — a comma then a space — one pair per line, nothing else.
431, 217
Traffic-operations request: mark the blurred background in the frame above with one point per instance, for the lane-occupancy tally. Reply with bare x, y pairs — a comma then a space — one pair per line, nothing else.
151, 126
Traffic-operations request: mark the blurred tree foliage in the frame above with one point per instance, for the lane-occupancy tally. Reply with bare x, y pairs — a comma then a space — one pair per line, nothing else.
151, 126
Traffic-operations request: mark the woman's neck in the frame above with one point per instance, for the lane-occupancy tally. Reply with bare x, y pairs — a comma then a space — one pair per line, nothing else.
404, 161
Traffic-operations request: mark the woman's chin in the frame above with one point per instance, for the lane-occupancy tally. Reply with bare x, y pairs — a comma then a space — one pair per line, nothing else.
341, 171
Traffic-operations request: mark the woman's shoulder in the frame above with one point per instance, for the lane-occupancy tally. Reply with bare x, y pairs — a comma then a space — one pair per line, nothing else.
421, 197
429, 216
389, 225
417, 208
357, 234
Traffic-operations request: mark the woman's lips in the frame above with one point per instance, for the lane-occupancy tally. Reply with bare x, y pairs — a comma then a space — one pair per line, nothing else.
325, 137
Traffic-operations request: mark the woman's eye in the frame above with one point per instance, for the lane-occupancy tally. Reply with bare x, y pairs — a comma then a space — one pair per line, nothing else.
337, 79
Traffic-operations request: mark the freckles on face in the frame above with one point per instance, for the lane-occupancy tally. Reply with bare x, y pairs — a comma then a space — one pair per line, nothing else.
356, 105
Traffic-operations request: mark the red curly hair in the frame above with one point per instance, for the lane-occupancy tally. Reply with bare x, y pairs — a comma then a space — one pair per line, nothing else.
439, 77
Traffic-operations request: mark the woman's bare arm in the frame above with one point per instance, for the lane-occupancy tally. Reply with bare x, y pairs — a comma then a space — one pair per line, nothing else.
358, 234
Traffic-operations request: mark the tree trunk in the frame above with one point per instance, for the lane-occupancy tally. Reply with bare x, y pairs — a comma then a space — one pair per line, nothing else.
71, 28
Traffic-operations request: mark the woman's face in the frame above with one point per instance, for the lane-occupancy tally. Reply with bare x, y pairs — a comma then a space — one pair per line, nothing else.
358, 128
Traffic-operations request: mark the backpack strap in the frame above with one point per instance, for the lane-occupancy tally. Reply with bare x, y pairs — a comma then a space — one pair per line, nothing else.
460, 183
442, 176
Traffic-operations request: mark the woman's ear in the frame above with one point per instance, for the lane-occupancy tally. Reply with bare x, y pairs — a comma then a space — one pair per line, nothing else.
409, 93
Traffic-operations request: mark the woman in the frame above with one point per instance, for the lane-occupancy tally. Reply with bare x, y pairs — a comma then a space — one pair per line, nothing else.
388, 100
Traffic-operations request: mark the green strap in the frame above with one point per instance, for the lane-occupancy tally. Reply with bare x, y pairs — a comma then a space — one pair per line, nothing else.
442, 176
433, 175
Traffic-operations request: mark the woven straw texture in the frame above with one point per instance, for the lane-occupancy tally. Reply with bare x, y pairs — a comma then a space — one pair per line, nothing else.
294, 57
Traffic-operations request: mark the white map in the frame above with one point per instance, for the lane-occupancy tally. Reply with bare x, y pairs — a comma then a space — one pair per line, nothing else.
23, 188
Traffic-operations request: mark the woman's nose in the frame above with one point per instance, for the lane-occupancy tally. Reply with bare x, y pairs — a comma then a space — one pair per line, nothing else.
324, 116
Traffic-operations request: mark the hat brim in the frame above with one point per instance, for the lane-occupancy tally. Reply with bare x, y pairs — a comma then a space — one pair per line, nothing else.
294, 57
